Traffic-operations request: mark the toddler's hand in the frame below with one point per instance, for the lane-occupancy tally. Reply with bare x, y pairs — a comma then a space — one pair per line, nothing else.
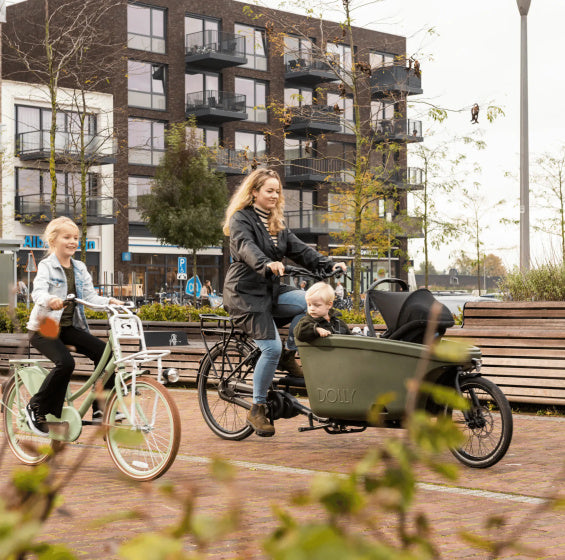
323, 332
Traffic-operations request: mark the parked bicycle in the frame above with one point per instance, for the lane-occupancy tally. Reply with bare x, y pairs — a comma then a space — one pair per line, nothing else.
344, 375
143, 427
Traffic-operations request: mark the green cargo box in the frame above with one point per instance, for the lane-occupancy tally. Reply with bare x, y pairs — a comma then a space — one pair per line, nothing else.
345, 374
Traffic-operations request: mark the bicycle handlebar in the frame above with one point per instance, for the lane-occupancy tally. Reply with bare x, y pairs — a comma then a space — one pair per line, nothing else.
317, 275
108, 307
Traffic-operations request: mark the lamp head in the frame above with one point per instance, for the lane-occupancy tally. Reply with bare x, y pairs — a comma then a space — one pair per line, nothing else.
523, 6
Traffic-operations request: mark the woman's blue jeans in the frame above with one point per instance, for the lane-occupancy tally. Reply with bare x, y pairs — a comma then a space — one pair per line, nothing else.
290, 304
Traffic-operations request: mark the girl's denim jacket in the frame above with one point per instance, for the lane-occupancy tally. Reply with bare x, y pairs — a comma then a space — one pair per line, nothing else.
50, 281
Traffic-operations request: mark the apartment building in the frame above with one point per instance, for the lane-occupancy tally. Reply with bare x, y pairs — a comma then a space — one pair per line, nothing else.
261, 94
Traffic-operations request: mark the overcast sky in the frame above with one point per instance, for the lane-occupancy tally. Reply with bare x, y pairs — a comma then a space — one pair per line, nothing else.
474, 56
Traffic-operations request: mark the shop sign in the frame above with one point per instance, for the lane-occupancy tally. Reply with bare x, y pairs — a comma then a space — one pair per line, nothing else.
36, 242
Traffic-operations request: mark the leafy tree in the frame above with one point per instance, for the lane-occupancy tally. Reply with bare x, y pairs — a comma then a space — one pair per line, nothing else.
549, 181
188, 199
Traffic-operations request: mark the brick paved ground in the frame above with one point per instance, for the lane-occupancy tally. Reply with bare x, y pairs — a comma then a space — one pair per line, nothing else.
528, 471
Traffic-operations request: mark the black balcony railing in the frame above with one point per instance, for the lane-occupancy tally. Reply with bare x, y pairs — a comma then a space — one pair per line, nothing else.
400, 130
310, 221
237, 162
34, 208
215, 49
307, 71
216, 105
36, 145
312, 169
313, 119
395, 78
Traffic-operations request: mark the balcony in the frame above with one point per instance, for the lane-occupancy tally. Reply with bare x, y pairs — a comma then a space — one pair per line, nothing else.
308, 222
216, 106
236, 162
397, 130
412, 178
36, 208
396, 79
310, 171
312, 120
35, 146
304, 72
214, 50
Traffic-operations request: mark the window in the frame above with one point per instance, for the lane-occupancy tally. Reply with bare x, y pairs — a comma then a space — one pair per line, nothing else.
208, 136
146, 28
297, 97
146, 141
255, 46
200, 31
346, 107
137, 186
255, 98
33, 125
33, 191
146, 85
344, 155
295, 148
297, 51
341, 55
201, 82
251, 142
378, 59
382, 114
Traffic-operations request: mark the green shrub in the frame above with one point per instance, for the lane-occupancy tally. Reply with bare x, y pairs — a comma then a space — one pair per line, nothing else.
544, 283
178, 313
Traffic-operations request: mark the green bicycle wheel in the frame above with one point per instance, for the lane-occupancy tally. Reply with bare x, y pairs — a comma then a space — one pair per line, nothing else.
25, 445
145, 449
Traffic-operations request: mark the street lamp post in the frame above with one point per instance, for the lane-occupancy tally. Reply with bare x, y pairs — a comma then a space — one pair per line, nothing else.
523, 8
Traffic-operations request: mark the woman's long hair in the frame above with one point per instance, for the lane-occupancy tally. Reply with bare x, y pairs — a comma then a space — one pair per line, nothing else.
244, 197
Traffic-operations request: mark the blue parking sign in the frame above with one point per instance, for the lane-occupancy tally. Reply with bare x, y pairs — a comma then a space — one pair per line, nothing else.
191, 284
182, 265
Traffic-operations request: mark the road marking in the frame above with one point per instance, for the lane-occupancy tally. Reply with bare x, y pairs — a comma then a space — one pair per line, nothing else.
501, 496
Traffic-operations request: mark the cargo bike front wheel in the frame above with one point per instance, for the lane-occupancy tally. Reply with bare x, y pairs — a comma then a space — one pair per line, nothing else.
487, 425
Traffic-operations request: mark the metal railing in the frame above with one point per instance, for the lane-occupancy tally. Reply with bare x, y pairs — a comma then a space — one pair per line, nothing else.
211, 99
240, 161
293, 62
329, 168
397, 128
212, 41
37, 208
396, 77
411, 177
315, 221
313, 113
37, 143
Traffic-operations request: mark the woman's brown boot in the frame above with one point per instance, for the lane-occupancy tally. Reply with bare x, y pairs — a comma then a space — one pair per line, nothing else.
287, 362
257, 419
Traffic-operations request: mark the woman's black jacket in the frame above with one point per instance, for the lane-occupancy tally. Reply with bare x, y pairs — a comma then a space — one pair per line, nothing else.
250, 288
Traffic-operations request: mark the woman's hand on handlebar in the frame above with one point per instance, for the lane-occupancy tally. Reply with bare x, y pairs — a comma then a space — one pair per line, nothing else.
114, 301
341, 265
277, 268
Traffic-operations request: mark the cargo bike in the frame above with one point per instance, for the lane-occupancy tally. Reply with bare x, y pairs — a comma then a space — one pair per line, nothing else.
344, 376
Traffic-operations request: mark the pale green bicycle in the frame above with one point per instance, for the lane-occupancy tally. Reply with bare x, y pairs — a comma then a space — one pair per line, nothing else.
142, 421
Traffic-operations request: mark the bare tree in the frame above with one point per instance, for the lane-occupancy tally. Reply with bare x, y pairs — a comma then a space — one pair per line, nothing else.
68, 30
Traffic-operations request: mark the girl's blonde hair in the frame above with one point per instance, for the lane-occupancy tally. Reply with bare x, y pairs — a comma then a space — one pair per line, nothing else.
244, 197
53, 229
325, 291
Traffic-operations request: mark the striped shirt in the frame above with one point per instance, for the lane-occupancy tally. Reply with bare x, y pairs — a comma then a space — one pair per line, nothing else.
264, 216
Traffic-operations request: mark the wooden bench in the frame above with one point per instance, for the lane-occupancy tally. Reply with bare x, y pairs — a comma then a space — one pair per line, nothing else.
523, 347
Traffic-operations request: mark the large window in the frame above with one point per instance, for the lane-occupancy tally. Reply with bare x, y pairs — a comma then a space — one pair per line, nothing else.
200, 30
297, 97
209, 136
255, 98
295, 148
341, 55
343, 155
146, 85
345, 106
146, 141
297, 50
253, 143
146, 28
378, 59
137, 186
382, 115
201, 82
255, 46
